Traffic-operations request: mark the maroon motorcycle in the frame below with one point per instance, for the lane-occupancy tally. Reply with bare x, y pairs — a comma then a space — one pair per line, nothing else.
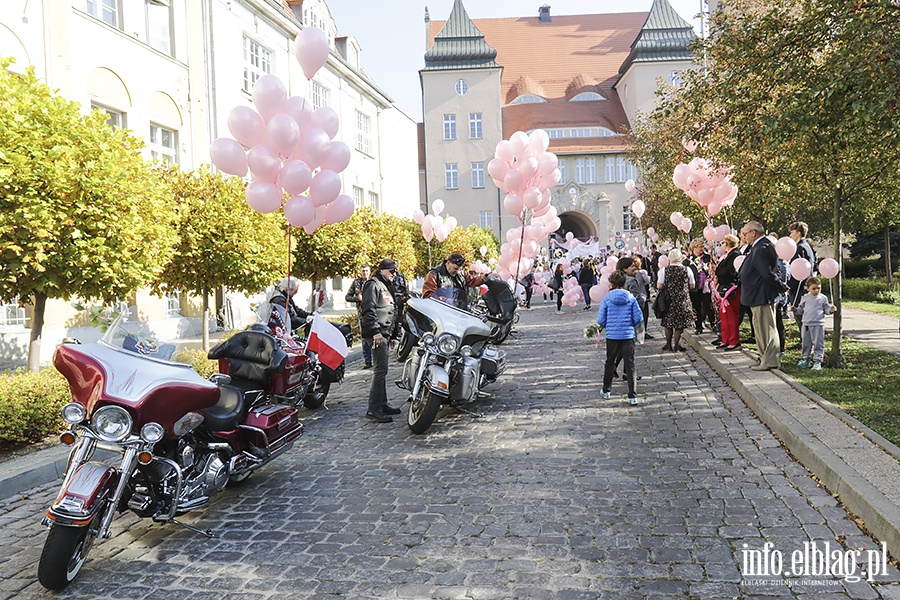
181, 437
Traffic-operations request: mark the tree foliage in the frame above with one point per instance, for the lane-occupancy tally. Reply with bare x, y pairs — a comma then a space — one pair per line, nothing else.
466, 241
81, 212
221, 240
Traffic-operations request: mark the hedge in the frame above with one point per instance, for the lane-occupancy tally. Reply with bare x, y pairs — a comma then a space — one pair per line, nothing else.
867, 290
197, 359
30, 405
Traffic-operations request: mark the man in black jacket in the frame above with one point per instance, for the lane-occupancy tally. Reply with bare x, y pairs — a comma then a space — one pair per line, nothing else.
760, 287
354, 296
448, 276
378, 325
286, 290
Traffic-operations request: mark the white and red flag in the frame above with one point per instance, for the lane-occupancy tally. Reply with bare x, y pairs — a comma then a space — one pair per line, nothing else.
328, 342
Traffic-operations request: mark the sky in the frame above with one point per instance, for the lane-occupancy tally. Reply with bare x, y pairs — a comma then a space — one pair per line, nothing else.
392, 34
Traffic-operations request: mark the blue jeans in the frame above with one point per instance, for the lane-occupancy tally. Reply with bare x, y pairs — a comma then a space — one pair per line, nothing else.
586, 288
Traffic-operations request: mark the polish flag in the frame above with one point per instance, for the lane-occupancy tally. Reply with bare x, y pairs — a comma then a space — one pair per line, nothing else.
328, 342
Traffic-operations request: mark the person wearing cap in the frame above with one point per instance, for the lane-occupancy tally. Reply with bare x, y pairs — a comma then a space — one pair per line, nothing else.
378, 326
448, 275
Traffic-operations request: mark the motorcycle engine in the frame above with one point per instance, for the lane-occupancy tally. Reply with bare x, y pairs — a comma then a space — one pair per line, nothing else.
205, 475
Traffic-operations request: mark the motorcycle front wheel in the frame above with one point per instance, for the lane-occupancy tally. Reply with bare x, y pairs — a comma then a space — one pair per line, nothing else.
504, 332
422, 411
316, 396
65, 551
405, 345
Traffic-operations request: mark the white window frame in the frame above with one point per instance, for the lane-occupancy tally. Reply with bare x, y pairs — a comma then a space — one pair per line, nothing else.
173, 305
357, 197
159, 151
629, 219
477, 175
621, 170
116, 118
529, 99
152, 8
319, 95
107, 11
363, 133
631, 171
449, 127
579, 170
12, 316
373, 200
462, 87
561, 165
451, 176
486, 219
590, 170
610, 168
476, 126
257, 61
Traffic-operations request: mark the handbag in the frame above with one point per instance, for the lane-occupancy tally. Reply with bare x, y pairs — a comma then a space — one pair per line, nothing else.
552, 284
661, 304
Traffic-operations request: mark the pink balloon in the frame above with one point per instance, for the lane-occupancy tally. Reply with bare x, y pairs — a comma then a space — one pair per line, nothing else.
437, 207
513, 181
246, 126
325, 187
327, 120
629, 186
497, 168
313, 147
283, 133
440, 232
311, 227
263, 197
597, 292
714, 208
295, 178
663, 262
300, 110
709, 233
339, 209
738, 261
427, 230
828, 268
268, 95
299, 211
800, 269
547, 162
527, 168
519, 143
538, 141
504, 151
264, 163
638, 207
786, 248
675, 218
532, 197
228, 156
611, 261
418, 216
311, 49
680, 175
552, 180
686, 225
338, 157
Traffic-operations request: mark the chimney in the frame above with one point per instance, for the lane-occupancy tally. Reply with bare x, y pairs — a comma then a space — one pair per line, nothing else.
544, 14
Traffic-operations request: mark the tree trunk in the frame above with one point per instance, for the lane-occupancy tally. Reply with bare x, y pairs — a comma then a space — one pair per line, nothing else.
837, 359
37, 329
313, 298
205, 320
887, 256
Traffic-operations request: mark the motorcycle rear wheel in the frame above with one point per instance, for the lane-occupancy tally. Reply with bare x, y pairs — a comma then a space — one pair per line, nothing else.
405, 346
65, 552
422, 411
316, 396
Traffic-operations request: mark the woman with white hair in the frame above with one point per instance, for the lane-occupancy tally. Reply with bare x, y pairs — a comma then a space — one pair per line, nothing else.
284, 297
677, 280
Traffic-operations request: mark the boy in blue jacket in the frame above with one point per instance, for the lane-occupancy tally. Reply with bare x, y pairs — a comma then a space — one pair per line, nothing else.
619, 314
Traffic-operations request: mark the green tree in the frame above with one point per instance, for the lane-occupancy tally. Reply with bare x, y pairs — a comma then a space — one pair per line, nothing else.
801, 98
466, 241
81, 212
339, 250
221, 240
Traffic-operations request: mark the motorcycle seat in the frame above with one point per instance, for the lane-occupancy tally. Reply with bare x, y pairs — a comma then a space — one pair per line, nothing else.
227, 412
252, 358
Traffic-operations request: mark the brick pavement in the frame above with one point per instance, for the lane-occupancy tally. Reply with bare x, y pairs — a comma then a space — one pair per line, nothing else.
553, 493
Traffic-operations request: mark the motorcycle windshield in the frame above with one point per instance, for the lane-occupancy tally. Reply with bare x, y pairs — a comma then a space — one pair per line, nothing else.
453, 296
133, 336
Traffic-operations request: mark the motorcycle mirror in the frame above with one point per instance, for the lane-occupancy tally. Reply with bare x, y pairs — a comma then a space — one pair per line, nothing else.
70, 340
220, 379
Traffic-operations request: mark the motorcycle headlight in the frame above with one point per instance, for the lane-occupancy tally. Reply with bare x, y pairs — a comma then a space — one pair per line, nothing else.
466, 351
428, 339
73, 413
111, 423
152, 432
447, 343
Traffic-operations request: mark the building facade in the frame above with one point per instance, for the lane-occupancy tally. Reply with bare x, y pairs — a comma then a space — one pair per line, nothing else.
171, 71
582, 78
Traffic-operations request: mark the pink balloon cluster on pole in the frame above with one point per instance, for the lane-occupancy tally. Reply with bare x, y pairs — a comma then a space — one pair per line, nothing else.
287, 141
433, 225
709, 187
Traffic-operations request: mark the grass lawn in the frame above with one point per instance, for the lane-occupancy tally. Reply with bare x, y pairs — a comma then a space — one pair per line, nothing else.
892, 310
868, 388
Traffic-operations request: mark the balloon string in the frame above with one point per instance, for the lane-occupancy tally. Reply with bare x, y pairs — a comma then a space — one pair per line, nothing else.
522, 218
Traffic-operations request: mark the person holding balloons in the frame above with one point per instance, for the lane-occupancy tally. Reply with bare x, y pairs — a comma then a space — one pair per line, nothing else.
813, 308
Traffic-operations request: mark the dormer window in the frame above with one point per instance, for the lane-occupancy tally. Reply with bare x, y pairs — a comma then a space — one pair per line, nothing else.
587, 97
528, 99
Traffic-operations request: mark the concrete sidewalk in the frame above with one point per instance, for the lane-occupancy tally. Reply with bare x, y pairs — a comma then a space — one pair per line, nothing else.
872, 329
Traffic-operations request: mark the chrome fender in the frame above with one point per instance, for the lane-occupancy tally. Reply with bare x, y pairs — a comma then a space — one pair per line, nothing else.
84, 494
437, 380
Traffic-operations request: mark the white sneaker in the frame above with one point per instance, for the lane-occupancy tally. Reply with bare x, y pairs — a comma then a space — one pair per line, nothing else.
632, 401
605, 394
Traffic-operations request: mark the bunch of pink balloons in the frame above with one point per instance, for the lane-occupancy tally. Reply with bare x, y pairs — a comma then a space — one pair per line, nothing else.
433, 225
710, 188
681, 222
571, 292
651, 233
291, 148
715, 234
786, 248
542, 283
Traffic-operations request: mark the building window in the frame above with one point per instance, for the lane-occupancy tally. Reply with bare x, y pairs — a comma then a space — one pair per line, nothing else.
604, 132
475, 130
587, 97
373, 200
674, 79
159, 25
115, 118
631, 171
357, 197
173, 305
257, 62
486, 219
319, 95
477, 175
579, 170
590, 170
610, 169
528, 99
105, 10
620, 169
462, 87
363, 131
555, 133
449, 127
451, 176
581, 132
629, 219
562, 170
12, 316
163, 144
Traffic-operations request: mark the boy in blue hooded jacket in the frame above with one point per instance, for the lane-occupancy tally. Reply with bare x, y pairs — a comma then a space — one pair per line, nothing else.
619, 314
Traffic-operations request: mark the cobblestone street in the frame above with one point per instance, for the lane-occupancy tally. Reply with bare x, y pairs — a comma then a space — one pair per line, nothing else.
552, 493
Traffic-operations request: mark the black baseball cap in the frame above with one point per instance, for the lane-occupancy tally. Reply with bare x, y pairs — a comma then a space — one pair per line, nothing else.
457, 259
387, 263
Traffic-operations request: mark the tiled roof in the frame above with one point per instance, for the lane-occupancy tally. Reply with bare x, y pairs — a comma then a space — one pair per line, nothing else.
585, 49
665, 36
459, 44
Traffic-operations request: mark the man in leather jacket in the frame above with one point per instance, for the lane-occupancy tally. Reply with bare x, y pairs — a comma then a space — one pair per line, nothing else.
354, 296
448, 275
378, 325
284, 298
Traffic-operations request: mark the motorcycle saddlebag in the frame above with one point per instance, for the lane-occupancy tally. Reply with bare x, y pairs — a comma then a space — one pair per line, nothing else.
493, 362
279, 423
